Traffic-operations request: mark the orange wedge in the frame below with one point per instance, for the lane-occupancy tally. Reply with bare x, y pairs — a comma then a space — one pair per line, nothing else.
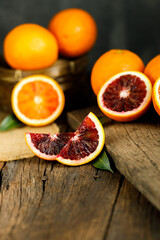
37, 100
156, 95
73, 149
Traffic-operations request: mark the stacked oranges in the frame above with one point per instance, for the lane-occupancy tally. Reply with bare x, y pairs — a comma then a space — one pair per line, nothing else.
152, 70
123, 84
71, 32
119, 78
38, 100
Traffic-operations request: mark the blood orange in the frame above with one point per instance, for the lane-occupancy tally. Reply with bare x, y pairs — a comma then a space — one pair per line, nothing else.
112, 62
46, 146
125, 96
71, 149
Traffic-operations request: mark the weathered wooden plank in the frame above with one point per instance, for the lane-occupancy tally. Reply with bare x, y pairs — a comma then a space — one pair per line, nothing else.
135, 148
45, 200
133, 217
74, 118
20, 196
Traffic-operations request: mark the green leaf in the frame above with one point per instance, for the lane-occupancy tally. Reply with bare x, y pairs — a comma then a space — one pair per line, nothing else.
102, 162
9, 122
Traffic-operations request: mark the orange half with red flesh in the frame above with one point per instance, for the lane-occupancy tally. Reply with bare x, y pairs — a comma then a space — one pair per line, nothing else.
126, 96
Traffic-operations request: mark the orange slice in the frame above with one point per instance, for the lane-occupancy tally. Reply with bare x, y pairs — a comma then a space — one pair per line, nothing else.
86, 144
46, 146
72, 149
37, 100
156, 95
126, 96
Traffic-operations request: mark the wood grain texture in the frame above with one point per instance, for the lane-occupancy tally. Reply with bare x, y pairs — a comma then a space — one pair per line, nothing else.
47, 200
135, 149
44, 200
133, 217
60, 68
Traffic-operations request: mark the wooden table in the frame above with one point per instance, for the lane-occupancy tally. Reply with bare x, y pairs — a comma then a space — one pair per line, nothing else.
42, 200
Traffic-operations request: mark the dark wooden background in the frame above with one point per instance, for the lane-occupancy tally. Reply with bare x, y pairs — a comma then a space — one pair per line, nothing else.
130, 24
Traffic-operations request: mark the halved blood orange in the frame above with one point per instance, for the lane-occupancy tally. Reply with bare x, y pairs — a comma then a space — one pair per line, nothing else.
126, 96
156, 95
37, 100
71, 149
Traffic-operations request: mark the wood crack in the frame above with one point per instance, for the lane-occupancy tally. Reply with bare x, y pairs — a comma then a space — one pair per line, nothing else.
137, 145
113, 208
18, 213
43, 179
52, 164
97, 175
2, 165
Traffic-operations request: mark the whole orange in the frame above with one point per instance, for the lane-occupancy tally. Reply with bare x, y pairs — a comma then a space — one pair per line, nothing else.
111, 63
152, 70
29, 47
75, 31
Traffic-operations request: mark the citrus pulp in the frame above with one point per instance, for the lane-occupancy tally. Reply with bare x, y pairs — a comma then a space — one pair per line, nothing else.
37, 100
125, 96
111, 63
72, 149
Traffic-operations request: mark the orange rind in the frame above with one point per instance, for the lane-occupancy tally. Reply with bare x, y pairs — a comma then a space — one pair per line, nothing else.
37, 100
126, 96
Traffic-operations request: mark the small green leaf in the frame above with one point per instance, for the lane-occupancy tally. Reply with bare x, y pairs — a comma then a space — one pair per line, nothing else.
9, 122
103, 119
102, 162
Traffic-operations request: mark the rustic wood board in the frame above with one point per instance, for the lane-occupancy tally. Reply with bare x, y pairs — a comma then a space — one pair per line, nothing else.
46, 200
134, 148
12, 142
